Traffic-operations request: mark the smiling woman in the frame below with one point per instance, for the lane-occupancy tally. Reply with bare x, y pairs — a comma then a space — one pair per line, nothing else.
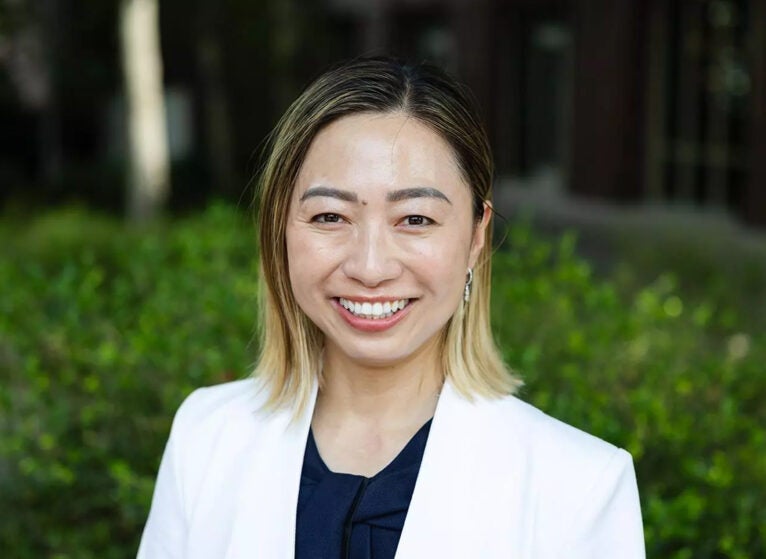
381, 214
381, 420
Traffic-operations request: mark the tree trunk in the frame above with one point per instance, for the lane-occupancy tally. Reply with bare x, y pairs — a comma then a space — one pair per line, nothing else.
149, 173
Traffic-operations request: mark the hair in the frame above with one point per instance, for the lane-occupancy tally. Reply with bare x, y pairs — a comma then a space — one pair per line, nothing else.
290, 359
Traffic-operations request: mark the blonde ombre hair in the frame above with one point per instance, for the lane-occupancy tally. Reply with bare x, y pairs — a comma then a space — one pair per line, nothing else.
291, 345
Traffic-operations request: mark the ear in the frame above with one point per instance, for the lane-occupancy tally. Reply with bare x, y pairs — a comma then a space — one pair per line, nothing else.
480, 234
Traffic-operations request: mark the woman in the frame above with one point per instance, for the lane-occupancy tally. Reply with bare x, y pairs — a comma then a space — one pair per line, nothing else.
381, 419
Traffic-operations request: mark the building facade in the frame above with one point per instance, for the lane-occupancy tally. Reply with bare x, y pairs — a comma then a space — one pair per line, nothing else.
659, 100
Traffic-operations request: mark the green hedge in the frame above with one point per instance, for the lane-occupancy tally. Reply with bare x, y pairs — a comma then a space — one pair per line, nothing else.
677, 382
104, 330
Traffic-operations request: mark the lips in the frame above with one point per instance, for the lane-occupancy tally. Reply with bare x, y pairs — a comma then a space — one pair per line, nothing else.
373, 310
373, 316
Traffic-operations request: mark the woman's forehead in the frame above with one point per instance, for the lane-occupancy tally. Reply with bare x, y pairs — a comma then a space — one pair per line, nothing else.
379, 152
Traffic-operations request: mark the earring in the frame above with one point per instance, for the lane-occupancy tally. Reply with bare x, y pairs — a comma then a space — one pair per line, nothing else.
468, 282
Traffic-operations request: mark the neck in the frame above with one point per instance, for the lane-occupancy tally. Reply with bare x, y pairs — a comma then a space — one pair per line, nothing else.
393, 395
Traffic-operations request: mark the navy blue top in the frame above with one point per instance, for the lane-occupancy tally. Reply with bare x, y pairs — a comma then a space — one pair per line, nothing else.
345, 516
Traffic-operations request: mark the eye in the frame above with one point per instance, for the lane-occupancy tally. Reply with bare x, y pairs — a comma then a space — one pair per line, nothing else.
417, 220
327, 218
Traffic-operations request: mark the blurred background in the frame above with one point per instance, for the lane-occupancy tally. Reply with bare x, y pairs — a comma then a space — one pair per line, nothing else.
659, 101
629, 278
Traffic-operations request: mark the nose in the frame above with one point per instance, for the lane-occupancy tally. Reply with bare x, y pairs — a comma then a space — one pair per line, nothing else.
372, 258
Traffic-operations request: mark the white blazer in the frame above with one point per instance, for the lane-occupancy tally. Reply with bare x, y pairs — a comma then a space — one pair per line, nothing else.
499, 479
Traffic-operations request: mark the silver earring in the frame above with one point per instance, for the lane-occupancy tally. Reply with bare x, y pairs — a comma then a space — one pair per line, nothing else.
468, 282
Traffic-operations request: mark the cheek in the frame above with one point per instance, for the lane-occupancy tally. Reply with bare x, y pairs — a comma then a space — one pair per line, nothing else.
441, 265
439, 258
298, 250
309, 258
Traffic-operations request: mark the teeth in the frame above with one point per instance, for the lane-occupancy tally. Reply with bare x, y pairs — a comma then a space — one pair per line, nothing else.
374, 310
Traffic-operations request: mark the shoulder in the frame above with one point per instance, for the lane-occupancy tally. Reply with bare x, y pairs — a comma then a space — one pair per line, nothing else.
509, 429
221, 400
227, 411
566, 460
584, 486
551, 440
552, 458
211, 428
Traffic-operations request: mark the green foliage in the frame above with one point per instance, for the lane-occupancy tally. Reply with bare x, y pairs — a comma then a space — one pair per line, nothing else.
677, 381
724, 268
104, 330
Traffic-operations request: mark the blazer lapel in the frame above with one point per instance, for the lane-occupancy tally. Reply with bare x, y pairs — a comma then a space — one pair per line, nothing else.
466, 494
264, 524
466, 497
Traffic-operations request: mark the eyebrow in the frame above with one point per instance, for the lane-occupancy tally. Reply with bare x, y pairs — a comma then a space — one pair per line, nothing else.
419, 192
344, 195
395, 196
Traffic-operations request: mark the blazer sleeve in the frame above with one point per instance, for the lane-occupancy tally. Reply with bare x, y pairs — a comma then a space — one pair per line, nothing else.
165, 530
608, 523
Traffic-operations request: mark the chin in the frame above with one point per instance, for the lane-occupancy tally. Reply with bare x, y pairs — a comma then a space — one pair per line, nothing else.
384, 353
377, 359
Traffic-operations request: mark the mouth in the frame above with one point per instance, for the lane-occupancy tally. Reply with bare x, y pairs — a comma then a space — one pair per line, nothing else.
373, 310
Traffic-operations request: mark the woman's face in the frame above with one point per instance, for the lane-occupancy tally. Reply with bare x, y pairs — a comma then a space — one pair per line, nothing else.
380, 233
